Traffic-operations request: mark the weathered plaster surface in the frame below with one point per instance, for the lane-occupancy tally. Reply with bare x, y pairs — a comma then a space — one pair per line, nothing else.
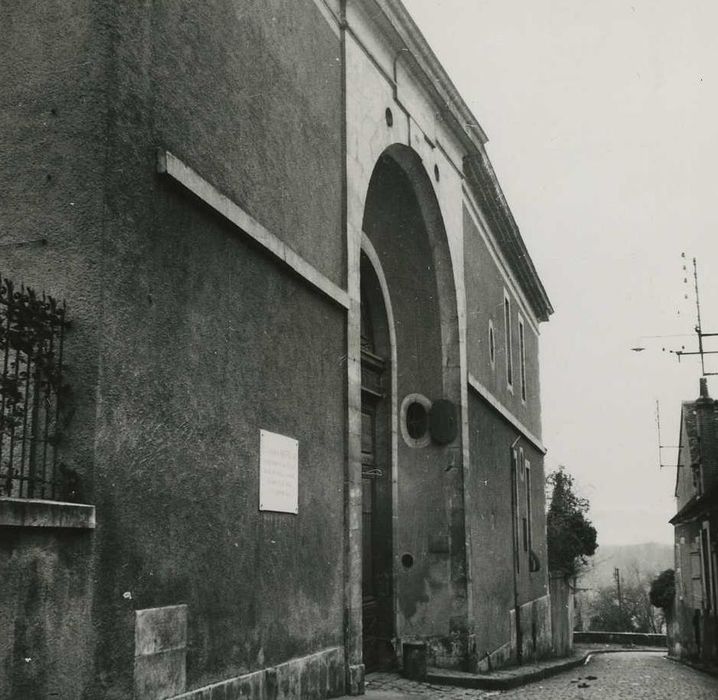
319, 675
496, 592
46, 623
260, 114
188, 338
380, 77
53, 138
207, 340
168, 164
485, 285
170, 305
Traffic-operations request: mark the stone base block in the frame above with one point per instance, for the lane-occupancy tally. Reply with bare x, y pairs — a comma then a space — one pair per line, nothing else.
355, 679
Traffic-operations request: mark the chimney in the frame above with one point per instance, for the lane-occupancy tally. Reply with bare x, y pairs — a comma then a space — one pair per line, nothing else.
707, 427
704, 388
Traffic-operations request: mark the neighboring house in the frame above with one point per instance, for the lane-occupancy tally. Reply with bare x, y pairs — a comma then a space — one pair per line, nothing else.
303, 416
694, 632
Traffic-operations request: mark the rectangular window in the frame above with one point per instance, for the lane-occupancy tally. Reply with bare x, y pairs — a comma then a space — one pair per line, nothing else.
706, 561
515, 467
529, 514
696, 570
492, 344
509, 352
522, 354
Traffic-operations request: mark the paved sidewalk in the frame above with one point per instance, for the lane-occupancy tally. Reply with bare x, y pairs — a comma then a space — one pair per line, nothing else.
452, 685
391, 686
710, 669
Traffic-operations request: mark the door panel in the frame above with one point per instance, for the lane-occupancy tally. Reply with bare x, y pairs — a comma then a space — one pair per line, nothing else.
376, 541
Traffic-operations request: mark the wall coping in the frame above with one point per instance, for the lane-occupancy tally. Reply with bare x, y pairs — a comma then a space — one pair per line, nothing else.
490, 399
600, 637
35, 512
171, 166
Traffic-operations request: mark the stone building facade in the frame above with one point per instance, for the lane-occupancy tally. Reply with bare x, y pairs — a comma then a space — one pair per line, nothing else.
693, 631
304, 410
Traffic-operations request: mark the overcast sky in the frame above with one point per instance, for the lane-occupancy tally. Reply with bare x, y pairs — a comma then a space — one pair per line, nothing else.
602, 118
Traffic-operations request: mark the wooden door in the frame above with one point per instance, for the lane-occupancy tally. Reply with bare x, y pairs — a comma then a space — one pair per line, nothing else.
378, 624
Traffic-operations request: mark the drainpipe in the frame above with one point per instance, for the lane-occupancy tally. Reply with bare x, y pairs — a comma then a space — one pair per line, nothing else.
515, 546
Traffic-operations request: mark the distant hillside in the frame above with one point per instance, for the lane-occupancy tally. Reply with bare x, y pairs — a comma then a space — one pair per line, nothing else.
646, 560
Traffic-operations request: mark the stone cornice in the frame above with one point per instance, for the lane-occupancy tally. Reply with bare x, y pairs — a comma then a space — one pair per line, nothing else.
505, 413
483, 182
431, 73
478, 170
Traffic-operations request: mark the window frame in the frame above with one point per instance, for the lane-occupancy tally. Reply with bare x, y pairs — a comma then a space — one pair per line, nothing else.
706, 566
492, 344
529, 504
516, 535
522, 358
508, 342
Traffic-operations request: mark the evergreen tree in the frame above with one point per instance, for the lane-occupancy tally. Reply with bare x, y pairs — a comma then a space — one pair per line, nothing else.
570, 535
663, 590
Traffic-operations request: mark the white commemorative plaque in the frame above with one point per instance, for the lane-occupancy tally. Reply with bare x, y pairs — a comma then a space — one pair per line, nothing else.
278, 473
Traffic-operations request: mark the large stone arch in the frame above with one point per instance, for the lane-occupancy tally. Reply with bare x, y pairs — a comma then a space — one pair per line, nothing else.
412, 167
404, 229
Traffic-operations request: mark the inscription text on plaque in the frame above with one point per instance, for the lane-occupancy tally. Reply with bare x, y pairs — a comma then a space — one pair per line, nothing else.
278, 473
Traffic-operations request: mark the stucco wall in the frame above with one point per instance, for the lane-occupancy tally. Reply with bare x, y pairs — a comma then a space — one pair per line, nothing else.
492, 535
188, 339
694, 628
249, 94
210, 341
199, 339
225, 343
45, 625
52, 165
534, 585
485, 286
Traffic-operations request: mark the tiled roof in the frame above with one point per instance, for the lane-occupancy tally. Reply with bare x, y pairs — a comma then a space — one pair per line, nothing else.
697, 507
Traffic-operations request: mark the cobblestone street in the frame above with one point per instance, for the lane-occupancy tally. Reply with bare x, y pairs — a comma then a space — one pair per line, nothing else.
390, 686
629, 676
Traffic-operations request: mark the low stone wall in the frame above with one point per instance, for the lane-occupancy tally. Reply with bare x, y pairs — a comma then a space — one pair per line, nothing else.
535, 621
319, 675
562, 615
625, 638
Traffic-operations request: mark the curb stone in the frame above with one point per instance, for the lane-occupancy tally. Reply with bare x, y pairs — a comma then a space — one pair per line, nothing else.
487, 682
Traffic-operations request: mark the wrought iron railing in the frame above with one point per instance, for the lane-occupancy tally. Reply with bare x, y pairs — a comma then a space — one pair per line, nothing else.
31, 387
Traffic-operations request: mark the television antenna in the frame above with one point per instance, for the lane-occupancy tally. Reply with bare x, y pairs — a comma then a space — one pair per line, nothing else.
698, 330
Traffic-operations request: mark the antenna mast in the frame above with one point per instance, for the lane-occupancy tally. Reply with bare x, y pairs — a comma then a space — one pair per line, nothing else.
699, 331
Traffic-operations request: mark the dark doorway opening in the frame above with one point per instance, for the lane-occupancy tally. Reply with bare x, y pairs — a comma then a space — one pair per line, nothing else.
377, 551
